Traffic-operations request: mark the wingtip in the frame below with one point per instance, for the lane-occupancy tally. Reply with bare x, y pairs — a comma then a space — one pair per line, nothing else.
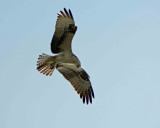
71, 14
65, 9
92, 92
83, 99
86, 98
67, 13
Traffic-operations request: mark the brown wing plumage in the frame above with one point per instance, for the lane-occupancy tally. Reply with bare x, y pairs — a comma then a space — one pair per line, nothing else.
65, 24
79, 80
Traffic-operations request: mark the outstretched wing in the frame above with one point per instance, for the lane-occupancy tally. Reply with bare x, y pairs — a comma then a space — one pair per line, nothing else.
79, 80
64, 31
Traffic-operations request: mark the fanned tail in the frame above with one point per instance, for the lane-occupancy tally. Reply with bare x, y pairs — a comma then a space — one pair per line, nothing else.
45, 64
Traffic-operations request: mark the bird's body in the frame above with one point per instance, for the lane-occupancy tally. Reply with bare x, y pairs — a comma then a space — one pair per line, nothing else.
65, 61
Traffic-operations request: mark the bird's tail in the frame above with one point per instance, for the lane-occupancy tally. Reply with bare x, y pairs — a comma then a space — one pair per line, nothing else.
45, 64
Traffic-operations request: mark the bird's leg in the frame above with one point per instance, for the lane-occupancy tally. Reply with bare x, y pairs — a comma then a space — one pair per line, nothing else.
52, 65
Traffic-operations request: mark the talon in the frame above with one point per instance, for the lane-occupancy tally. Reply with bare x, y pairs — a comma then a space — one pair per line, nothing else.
52, 65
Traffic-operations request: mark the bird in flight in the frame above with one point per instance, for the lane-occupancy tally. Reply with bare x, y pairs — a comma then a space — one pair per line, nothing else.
65, 61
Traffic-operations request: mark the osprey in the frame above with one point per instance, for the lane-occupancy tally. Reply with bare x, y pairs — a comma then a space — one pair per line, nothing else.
66, 62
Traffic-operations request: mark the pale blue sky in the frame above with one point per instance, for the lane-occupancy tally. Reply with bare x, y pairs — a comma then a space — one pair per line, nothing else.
118, 43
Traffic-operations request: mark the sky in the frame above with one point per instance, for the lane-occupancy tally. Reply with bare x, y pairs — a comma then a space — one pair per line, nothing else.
118, 44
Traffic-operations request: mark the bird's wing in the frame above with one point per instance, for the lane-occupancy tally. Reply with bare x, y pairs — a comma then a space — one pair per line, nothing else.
79, 80
64, 31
